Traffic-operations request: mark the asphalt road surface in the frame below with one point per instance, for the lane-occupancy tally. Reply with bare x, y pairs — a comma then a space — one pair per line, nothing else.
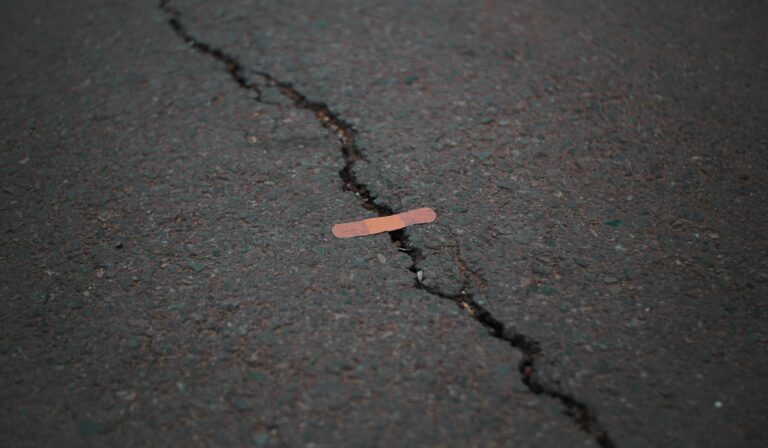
597, 274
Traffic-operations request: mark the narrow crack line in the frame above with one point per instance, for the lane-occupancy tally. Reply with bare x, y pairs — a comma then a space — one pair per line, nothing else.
530, 349
351, 153
466, 272
233, 66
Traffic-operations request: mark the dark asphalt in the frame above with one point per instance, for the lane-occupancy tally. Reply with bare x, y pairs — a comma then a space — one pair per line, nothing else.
170, 173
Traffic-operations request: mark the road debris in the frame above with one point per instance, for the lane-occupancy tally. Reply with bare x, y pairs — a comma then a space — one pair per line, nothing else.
384, 224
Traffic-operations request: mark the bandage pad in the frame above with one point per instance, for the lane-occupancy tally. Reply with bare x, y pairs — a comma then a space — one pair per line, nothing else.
384, 224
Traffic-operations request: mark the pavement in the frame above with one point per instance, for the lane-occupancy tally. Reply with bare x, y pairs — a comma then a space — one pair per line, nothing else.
596, 275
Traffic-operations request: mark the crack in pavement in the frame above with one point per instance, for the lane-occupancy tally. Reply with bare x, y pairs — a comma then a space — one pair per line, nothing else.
575, 409
233, 66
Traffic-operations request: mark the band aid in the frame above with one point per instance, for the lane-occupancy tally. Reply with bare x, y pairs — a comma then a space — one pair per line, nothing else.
384, 224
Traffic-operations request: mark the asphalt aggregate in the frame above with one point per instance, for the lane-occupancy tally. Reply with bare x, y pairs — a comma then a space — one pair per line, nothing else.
596, 276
